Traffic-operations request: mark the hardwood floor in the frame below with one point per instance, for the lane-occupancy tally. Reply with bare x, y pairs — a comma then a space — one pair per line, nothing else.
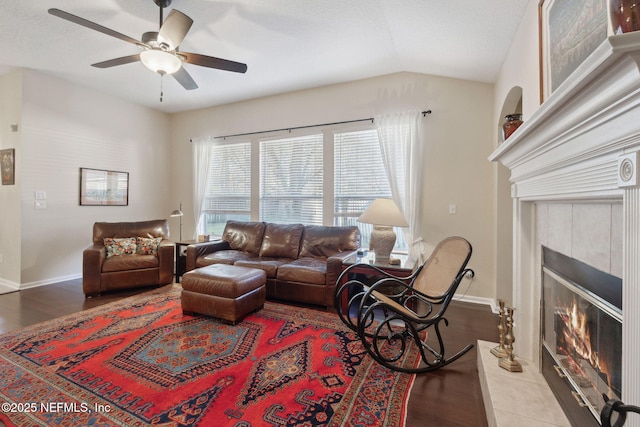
448, 397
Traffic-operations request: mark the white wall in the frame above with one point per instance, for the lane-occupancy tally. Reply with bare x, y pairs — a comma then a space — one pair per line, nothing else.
65, 127
459, 139
521, 67
10, 113
520, 71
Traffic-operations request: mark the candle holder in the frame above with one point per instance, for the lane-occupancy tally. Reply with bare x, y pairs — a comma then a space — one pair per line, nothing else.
508, 362
500, 351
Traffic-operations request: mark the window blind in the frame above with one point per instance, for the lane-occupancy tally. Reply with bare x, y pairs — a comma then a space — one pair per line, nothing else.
359, 176
359, 179
229, 186
291, 174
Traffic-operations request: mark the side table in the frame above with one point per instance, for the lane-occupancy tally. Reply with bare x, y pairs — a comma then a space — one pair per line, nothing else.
405, 268
181, 256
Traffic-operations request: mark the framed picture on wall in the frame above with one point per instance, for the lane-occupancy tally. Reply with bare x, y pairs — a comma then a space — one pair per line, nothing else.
103, 187
569, 31
8, 164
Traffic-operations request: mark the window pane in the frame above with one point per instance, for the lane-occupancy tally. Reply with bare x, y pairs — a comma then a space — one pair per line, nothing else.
215, 223
291, 173
229, 186
359, 179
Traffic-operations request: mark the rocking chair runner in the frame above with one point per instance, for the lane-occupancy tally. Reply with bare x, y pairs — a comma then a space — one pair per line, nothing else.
395, 311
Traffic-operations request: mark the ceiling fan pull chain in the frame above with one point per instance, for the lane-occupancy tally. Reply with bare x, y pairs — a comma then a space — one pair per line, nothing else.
161, 90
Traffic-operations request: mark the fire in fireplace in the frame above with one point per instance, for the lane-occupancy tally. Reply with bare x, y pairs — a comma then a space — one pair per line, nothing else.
581, 335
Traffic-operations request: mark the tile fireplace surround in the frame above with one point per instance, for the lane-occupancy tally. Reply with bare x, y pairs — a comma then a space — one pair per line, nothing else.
575, 188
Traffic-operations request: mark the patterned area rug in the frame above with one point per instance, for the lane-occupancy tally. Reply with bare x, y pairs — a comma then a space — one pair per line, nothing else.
141, 362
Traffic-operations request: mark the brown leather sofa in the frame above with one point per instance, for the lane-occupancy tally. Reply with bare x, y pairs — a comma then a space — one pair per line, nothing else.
147, 262
302, 262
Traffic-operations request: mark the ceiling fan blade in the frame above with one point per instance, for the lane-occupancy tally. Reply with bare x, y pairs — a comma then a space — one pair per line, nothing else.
185, 79
117, 61
92, 25
174, 29
211, 62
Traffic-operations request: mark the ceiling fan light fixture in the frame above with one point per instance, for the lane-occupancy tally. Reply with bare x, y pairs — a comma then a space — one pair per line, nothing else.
159, 49
160, 62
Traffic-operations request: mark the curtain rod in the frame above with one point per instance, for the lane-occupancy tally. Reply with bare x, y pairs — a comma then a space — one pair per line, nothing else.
370, 119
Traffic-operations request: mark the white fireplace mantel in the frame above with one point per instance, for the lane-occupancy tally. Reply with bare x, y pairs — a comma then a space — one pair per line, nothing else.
590, 119
572, 149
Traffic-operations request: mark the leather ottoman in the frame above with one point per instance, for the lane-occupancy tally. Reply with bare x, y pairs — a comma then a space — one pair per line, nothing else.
227, 292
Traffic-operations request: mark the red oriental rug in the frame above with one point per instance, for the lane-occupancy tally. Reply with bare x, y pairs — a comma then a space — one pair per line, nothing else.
141, 362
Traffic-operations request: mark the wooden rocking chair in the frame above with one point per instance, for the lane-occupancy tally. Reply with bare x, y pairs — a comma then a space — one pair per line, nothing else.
395, 311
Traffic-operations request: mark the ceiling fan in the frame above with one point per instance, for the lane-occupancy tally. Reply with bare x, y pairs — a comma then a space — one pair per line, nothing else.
160, 48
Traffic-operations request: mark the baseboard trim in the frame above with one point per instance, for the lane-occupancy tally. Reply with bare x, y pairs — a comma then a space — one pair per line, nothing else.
16, 286
12, 286
477, 300
49, 281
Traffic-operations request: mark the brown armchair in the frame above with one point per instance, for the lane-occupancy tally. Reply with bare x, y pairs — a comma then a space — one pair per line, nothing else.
137, 254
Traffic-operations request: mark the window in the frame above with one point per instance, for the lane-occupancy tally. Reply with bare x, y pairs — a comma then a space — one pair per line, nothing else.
291, 174
229, 186
359, 179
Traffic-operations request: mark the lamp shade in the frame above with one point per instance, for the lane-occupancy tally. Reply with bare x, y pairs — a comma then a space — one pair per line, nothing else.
160, 61
383, 212
178, 212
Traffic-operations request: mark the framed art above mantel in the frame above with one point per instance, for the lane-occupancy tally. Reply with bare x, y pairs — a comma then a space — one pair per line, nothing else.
103, 187
569, 31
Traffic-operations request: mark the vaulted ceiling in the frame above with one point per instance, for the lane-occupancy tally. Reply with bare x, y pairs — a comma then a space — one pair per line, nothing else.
287, 44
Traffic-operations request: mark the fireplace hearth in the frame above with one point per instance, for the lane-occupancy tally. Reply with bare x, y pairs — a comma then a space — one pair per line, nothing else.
581, 335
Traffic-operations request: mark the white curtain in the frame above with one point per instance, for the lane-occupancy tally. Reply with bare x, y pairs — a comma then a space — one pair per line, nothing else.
202, 149
402, 154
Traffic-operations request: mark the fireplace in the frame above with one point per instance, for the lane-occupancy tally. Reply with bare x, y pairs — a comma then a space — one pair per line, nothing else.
581, 335
580, 147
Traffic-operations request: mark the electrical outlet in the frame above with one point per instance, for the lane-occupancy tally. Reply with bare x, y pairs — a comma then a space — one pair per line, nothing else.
40, 204
40, 195
452, 209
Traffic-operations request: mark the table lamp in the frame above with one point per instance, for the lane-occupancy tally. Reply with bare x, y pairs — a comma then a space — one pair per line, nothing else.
384, 214
178, 212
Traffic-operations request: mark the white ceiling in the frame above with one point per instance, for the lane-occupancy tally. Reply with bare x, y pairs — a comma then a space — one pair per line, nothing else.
287, 44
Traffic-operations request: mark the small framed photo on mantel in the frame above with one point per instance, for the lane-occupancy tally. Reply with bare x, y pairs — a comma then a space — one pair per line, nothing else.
569, 31
8, 164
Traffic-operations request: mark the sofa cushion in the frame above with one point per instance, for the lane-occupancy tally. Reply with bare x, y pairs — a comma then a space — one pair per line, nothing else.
306, 270
131, 262
323, 242
269, 265
147, 246
281, 240
244, 236
222, 257
120, 246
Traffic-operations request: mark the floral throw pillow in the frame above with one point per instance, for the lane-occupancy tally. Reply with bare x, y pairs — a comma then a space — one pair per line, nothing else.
148, 246
116, 246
